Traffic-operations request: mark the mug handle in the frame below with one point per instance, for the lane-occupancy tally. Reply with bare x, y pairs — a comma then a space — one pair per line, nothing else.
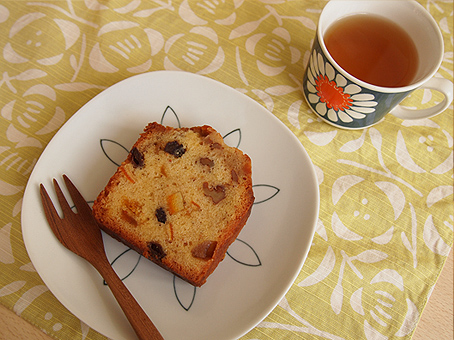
438, 84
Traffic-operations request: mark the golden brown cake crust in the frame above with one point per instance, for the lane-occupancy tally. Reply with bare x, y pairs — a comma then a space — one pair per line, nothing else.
180, 199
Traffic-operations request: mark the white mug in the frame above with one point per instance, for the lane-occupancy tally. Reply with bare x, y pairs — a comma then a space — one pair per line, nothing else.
368, 104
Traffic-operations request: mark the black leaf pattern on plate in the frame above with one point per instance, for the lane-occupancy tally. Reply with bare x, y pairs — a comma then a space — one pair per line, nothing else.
131, 271
233, 138
184, 292
264, 192
240, 251
114, 151
170, 118
251, 259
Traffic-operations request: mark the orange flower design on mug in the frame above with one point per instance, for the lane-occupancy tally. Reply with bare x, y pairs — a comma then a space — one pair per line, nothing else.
332, 96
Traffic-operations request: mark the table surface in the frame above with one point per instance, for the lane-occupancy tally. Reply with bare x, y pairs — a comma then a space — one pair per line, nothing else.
385, 225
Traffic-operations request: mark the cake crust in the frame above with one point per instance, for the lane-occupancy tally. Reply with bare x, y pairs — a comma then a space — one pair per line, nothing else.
180, 199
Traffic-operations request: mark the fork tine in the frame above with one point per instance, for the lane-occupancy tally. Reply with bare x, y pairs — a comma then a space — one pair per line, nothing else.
65, 207
51, 213
79, 201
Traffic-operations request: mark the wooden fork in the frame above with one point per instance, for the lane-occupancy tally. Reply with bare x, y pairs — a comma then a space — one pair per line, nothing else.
80, 233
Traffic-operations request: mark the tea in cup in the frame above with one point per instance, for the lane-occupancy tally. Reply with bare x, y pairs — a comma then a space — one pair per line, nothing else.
368, 56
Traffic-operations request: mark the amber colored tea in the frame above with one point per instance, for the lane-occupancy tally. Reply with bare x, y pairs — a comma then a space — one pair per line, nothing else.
373, 49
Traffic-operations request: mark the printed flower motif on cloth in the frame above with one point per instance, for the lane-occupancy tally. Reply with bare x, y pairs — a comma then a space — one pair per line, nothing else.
333, 96
132, 46
274, 49
23, 128
383, 306
24, 31
194, 51
200, 13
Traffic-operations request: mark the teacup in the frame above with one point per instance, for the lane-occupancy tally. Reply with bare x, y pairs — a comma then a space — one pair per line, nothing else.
367, 104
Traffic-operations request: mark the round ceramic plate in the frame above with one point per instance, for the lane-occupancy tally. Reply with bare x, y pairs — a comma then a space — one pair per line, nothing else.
261, 264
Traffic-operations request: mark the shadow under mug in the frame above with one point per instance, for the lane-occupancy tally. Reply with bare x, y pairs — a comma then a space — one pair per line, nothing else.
367, 104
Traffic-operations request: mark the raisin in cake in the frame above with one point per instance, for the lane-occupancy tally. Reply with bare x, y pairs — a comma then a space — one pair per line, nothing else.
180, 199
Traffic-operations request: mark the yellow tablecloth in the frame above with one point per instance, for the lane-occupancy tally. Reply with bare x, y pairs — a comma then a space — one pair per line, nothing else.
386, 214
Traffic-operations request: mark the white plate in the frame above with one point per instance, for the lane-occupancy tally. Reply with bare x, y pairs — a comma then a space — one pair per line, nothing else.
261, 265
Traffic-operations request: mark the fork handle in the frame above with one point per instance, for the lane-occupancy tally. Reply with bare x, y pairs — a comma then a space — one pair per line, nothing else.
139, 320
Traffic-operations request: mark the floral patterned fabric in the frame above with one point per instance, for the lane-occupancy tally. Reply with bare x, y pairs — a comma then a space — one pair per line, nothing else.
386, 215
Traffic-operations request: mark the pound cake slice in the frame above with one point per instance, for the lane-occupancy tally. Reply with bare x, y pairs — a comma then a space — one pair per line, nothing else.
180, 199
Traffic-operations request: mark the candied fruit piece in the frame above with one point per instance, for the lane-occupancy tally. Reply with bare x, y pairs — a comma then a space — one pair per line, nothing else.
128, 218
216, 146
136, 158
217, 193
175, 203
204, 250
161, 215
234, 176
131, 211
207, 161
156, 251
174, 148
170, 233
128, 176
163, 170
